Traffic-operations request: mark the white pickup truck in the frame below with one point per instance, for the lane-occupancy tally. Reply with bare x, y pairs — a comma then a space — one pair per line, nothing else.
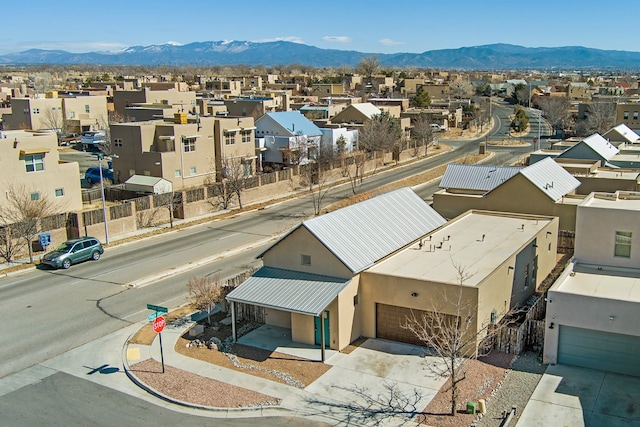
92, 140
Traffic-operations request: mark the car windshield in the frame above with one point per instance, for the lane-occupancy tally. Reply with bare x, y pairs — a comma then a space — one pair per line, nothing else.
65, 247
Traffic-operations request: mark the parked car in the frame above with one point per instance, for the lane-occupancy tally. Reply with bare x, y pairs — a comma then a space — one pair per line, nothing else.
438, 128
73, 251
91, 140
93, 175
65, 139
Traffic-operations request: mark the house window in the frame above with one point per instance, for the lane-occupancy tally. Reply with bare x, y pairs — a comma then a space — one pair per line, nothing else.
305, 259
177, 173
36, 111
86, 109
355, 300
34, 162
229, 138
35, 196
246, 137
72, 114
623, 244
59, 192
192, 170
117, 142
635, 115
189, 144
625, 115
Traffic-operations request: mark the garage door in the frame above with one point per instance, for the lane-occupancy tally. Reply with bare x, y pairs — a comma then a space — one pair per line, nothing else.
599, 350
389, 321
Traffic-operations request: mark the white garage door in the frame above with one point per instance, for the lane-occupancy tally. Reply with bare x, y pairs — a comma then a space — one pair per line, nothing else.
599, 350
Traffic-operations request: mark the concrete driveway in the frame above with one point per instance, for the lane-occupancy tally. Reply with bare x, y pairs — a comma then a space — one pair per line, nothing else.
573, 396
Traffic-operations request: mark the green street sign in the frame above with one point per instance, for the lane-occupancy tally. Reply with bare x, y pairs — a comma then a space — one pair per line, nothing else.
157, 308
153, 316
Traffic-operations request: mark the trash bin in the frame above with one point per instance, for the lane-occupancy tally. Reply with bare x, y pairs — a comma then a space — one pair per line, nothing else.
471, 407
482, 407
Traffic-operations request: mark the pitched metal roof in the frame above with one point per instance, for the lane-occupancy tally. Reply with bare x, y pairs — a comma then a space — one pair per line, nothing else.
597, 143
294, 122
367, 108
551, 178
144, 180
623, 132
476, 177
361, 234
289, 290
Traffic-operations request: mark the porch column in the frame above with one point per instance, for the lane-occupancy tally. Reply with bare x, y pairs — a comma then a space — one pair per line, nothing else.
233, 322
322, 336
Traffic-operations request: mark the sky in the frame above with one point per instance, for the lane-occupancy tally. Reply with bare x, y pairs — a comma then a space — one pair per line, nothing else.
372, 26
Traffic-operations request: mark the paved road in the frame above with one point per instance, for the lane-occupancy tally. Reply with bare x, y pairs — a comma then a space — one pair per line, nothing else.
46, 313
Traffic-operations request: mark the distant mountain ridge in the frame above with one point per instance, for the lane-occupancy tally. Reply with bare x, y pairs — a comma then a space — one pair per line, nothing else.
487, 57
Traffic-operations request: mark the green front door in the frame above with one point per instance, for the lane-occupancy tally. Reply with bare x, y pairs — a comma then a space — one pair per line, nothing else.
316, 324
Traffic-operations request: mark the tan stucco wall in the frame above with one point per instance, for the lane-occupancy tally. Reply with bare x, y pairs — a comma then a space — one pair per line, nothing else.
302, 328
277, 318
348, 316
300, 241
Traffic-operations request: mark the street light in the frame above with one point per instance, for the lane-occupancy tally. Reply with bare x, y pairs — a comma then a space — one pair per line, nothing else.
104, 206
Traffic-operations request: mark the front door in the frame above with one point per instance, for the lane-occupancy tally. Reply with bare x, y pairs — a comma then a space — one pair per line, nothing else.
316, 324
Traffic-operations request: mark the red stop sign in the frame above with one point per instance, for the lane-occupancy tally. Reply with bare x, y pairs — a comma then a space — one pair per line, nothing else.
158, 324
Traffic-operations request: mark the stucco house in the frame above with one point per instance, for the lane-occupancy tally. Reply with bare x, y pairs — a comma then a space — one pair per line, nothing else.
361, 270
544, 188
288, 136
593, 309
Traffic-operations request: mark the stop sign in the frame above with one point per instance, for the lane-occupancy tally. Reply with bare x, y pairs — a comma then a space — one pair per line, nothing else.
158, 324
535, 140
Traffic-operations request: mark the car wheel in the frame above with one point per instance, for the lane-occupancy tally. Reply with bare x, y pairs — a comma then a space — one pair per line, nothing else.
89, 180
95, 256
66, 263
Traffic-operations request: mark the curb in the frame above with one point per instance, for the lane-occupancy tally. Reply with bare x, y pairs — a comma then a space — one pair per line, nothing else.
255, 411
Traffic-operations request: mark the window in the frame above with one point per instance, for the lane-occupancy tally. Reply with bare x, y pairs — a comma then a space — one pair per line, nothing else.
59, 192
355, 300
117, 142
189, 144
192, 170
625, 115
305, 259
177, 173
36, 111
246, 137
86, 109
35, 196
72, 114
635, 115
34, 162
623, 244
229, 138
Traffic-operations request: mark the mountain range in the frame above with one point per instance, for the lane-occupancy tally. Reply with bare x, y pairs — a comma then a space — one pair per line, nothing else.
487, 57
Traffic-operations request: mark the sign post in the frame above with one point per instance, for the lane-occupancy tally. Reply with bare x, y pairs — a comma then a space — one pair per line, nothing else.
158, 325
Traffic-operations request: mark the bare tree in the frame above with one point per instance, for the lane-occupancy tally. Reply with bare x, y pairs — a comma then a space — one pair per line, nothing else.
353, 169
555, 110
452, 331
20, 216
53, 119
422, 134
368, 65
600, 117
169, 201
461, 89
204, 293
234, 174
313, 174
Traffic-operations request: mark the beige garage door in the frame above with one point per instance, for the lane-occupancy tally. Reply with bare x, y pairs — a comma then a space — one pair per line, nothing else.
389, 321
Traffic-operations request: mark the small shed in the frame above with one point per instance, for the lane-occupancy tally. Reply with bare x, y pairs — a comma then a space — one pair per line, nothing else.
148, 184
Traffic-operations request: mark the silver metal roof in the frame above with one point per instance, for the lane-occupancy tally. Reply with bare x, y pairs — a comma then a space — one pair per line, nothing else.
551, 178
361, 234
476, 177
289, 290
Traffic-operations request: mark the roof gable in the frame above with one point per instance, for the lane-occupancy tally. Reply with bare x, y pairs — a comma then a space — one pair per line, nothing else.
293, 122
551, 178
366, 109
621, 133
596, 143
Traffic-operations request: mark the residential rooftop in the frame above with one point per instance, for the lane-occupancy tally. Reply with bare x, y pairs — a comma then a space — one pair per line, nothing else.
608, 283
479, 241
623, 200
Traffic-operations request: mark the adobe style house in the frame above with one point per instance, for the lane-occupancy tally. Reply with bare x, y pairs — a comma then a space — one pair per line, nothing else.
186, 151
361, 270
593, 309
185, 100
628, 113
543, 188
30, 160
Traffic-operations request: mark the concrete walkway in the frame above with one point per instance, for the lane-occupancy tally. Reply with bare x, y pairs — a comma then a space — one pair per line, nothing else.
574, 396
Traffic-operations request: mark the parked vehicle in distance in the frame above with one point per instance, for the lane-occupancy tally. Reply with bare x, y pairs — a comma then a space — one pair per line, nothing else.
65, 139
93, 175
73, 251
438, 128
92, 139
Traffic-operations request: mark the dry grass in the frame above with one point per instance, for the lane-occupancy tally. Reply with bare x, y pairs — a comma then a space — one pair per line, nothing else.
146, 334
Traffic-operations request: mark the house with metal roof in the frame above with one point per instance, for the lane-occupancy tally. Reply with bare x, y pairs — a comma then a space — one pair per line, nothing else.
361, 270
313, 271
288, 136
475, 179
356, 114
593, 308
621, 134
544, 188
593, 147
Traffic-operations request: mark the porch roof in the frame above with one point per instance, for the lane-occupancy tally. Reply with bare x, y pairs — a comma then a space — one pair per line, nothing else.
289, 290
